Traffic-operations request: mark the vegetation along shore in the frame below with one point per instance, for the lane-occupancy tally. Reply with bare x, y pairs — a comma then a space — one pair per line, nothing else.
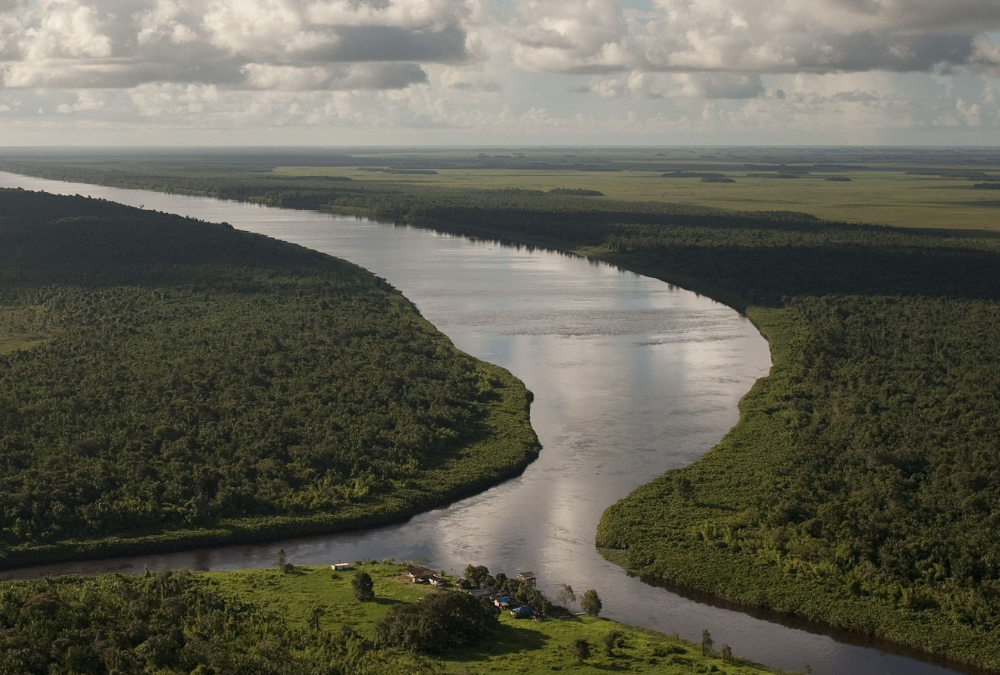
860, 487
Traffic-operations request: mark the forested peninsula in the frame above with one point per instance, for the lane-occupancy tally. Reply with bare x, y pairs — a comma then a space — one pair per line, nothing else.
167, 383
861, 486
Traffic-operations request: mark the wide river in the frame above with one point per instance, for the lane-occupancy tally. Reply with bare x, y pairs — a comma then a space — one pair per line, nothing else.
631, 377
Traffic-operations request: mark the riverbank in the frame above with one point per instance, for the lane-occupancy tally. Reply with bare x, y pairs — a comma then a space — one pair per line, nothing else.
194, 385
308, 617
746, 523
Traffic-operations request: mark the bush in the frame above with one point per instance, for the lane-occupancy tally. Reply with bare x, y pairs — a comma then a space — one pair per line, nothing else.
440, 620
591, 603
364, 587
613, 639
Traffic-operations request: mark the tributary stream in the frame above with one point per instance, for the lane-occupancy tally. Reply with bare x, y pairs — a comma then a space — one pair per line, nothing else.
631, 377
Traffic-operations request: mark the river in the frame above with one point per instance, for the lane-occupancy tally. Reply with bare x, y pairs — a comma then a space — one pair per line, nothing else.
631, 377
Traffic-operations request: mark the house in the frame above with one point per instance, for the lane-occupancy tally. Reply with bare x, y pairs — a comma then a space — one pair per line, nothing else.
522, 612
436, 581
502, 602
421, 575
528, 578
340, 567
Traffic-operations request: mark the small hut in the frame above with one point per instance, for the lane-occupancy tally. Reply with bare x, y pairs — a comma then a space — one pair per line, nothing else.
421, 575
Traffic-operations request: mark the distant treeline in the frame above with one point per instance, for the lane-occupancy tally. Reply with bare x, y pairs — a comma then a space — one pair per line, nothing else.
403, 172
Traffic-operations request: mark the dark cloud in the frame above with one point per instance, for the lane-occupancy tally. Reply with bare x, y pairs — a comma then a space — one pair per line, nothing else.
858, 52
755, 36
117, 75
388, 43
856, 96
239, 44
381, 76
227, 74
728, 86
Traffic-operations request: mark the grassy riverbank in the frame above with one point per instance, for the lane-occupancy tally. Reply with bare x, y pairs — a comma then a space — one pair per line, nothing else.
309, 620
167, 383
861, 485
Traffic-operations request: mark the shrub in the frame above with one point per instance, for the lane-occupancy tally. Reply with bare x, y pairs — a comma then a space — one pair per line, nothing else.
440, 620
591, 603
364, 587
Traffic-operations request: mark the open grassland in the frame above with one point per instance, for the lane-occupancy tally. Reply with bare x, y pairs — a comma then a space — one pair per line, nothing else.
862, 483
883, 197
923, 188
167, 383
305, 621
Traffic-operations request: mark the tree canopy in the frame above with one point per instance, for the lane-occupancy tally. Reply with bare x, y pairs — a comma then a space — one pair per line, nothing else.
184, 374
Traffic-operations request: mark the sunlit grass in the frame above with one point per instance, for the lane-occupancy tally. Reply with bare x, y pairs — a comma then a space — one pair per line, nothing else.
521, 646
882, 197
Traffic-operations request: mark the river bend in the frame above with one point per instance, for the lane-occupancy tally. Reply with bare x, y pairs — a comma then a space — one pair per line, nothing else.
631, 377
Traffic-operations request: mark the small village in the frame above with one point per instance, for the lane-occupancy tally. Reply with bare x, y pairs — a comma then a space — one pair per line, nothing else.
503, 592
517, 595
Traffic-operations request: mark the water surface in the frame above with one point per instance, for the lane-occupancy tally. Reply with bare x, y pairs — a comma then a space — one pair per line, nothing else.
631, 377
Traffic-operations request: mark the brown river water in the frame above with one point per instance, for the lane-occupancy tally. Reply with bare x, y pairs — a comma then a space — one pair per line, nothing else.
631, 377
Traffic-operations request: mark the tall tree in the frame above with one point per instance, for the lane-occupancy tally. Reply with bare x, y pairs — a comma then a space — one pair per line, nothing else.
364, 587
706, 642
591, 603
565, 595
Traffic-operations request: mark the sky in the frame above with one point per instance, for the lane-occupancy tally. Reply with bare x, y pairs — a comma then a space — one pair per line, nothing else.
499, 72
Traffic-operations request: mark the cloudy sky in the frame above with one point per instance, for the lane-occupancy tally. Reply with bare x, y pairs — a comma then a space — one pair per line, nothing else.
655, 72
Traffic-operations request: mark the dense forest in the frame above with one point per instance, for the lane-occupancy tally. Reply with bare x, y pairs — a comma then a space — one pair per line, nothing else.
165, 381
862, 484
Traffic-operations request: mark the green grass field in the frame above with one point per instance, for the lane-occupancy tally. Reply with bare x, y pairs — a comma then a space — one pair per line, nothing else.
522, 645
882, 197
